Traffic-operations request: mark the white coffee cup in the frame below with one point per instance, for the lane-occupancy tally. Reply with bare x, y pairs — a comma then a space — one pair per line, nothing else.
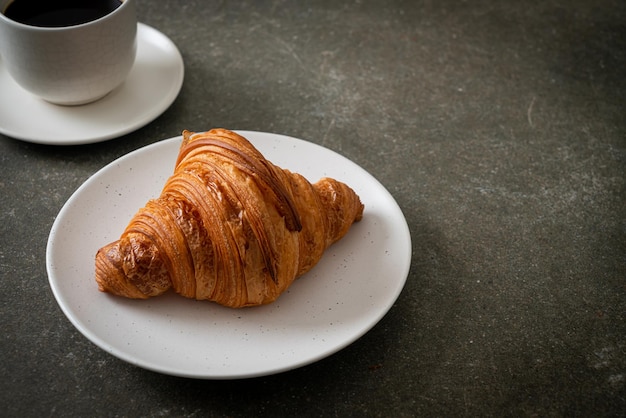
70, 65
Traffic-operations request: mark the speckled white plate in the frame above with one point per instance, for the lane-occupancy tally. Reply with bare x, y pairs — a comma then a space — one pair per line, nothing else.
152, 85
345, 295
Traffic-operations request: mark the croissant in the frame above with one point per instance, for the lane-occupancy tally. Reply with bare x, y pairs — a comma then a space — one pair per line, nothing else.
229, 227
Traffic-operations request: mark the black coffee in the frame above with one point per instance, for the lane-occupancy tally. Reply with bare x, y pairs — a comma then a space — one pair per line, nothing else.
56, 13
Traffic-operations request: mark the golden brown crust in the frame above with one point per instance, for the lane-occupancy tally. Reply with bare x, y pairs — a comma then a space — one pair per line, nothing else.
229, 227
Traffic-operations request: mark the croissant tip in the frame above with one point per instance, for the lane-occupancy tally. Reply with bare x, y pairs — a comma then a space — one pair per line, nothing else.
359, 213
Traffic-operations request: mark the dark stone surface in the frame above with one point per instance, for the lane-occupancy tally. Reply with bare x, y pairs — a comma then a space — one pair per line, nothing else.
500, 129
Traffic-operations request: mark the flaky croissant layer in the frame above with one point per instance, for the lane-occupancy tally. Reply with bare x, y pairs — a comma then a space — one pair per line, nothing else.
229, 226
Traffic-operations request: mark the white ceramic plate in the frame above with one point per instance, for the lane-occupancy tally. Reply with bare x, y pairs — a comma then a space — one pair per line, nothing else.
152, 85
345, 295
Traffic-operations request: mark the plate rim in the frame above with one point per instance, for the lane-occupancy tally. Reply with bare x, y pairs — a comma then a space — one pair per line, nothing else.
109, 348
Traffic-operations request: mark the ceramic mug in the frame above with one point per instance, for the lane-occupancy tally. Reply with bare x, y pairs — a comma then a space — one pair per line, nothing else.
73, 64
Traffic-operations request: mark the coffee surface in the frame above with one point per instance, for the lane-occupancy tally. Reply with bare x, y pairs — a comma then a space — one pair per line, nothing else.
59, 13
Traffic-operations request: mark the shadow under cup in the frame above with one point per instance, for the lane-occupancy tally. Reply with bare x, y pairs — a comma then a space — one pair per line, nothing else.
70, 65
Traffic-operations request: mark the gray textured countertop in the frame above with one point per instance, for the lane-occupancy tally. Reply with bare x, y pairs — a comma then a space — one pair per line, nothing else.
499, 129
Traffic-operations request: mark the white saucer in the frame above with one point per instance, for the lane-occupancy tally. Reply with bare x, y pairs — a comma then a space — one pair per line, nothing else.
152, 85
352, 287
